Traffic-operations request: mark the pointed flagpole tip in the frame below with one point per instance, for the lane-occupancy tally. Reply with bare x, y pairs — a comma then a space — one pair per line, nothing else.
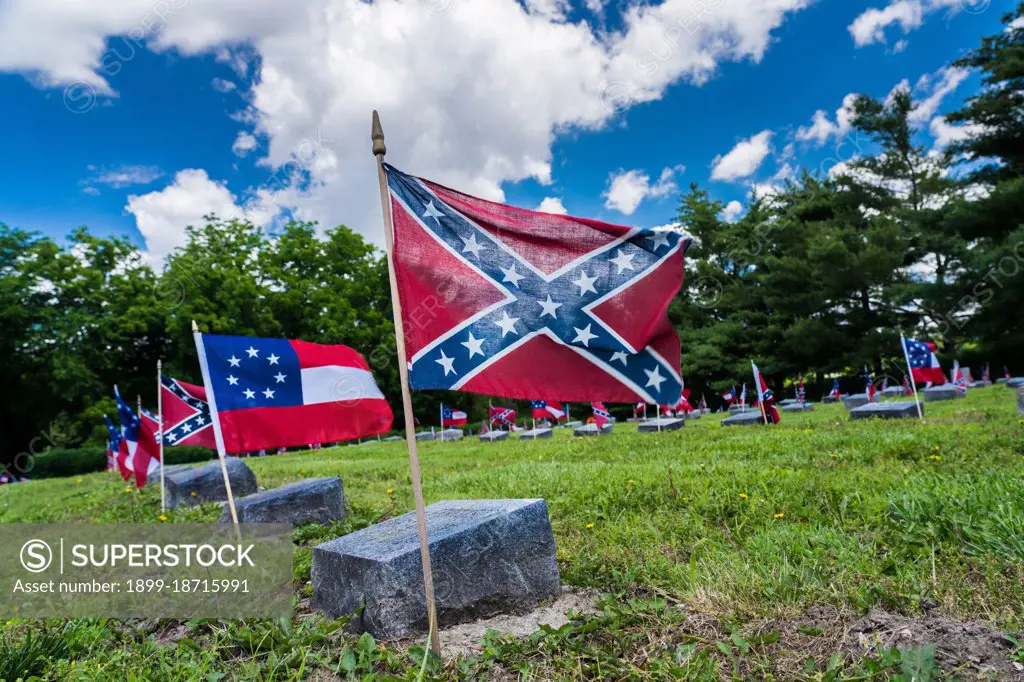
377, 135
195, 327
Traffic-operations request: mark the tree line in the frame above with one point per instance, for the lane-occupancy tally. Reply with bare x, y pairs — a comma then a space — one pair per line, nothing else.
817, 278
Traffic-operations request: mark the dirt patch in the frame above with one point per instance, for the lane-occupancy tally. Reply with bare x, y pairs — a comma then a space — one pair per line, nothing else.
467, 638
961, 648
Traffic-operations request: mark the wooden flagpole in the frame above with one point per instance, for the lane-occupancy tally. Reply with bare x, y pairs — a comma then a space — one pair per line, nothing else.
757, 387
160, 413
913, 384
379, 150
218, 436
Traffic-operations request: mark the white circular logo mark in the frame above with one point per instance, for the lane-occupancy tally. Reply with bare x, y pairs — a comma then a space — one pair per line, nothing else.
36, 556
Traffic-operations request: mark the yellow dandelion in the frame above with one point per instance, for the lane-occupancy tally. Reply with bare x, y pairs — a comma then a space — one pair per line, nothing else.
935, 458
195, 494
128, 489
632, 482
391, 491
589, 526
744, 496
1020, 421
835, 455
78, 480
936, 449
780, 515
162, 517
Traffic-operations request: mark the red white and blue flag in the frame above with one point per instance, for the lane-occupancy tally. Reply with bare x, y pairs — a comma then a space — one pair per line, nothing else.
138, 452
548, 409
959, 380
743, 396
1006, 373
501, 416
766, 397
601, 415
269, 393
801, 391
835, 389
516, 303
985, 377
924, 365
907, 388
730, 395
452, 417
186, 414
113, 444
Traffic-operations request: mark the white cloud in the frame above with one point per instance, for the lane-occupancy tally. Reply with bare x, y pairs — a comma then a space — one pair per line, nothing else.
468, 97
627, 189
946, 133
162, 216
822, 128
119, 177
744, 159
244, 143
732, 211
937, 86
785, 172
869, 27
221, 85
552, 205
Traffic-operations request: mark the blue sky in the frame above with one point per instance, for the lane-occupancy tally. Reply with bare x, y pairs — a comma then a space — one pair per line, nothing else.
211, 106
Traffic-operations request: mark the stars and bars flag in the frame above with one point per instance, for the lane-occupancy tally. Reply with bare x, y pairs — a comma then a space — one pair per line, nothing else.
186, 414
498, 416
138, 446
924, 365
548, 409
601, 414
959, 380
835, 389
640, 408
907, 388
516, 303
268, 393
113, 444
766, 397
452, 417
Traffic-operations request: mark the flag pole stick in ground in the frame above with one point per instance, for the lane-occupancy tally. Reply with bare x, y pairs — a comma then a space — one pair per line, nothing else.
379, 150
218, 436
160, 413
913, 384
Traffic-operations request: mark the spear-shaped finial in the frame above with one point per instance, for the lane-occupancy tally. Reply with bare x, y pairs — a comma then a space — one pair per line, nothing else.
377, 135
195, 327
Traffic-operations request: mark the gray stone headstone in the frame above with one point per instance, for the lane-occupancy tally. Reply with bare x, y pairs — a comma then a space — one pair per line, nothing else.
1015, 382
797, 407
392, 439
319, 500
534, 434
494, 436
207, 482
425, 435
978, 384
488, 557
893, 392
690, 416
573, 424
944, 392
829, 399
789, 401
1001, 380
667, 424
855, 400
154, 476
733, 409
901, 409
591, 430
450, 434
747, 418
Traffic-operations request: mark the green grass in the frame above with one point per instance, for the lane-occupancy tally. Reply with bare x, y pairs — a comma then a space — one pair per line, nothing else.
741, 525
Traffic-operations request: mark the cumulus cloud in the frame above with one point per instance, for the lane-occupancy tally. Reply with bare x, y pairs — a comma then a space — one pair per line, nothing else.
732, 211
467, 97
869, 26
934, 88
552, 205
822, 127
244, 143
627, 189
945, 133
162, 216
744, 159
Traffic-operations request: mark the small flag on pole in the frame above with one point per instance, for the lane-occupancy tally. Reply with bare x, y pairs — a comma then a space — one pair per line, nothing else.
924, 365
548, 409
601, 415
452, 417
186, 414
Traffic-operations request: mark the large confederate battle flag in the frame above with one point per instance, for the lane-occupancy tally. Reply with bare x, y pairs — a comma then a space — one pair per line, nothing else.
516, 303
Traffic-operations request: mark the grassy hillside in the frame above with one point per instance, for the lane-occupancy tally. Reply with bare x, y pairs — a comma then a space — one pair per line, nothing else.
738, 526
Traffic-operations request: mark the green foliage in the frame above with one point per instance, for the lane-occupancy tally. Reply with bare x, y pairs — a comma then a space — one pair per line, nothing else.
32, 655
59, 463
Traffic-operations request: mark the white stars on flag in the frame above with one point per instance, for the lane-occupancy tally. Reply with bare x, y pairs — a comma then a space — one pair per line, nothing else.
447, 363
585, 282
